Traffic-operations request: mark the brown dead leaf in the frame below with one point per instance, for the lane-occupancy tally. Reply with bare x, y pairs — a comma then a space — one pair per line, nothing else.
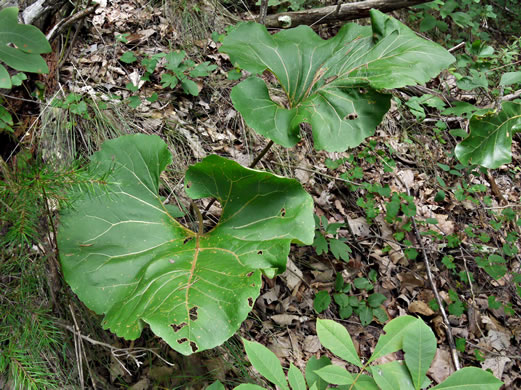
496, 365
420, 307
284, 319
441, 367
293, 276
359, 226
311, 344
142, 384
410, 280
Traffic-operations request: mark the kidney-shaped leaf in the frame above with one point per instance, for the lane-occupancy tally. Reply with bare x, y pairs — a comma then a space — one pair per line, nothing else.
124, 254
330, 84
28, 41
489, 143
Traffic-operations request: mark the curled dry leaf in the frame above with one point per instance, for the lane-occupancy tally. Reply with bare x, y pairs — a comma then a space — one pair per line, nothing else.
420, 307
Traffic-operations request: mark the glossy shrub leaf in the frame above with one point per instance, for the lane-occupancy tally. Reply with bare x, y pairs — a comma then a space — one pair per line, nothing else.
419, 347
336, 338
266, 363
392, 376
312, 366
330, 84
296, 378
470, 378
335, 375
489, 142
392, 340
126, 256
20, 45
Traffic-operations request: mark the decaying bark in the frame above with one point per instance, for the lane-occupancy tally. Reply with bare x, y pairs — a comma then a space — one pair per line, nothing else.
347, 11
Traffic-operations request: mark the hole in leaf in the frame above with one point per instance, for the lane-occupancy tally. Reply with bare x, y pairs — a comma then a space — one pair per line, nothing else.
193, 313
250, 301
249, 274
177, 328
259, 252
362, 90
188, 185
183, 340
351, 116
187, 240
283, 212
193, 346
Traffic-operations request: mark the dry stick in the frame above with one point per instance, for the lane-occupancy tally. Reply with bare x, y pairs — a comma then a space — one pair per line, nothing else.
448, 328
78, 345
115, 351
471, 292
263, 11
71, 19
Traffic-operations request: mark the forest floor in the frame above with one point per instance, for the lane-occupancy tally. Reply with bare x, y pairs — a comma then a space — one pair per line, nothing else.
461, 215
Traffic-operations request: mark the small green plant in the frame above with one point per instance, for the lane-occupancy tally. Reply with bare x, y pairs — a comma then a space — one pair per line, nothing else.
408, 334
326, 239
179, 70
366, 306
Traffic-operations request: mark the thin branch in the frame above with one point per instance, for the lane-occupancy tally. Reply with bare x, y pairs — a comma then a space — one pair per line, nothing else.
263, 11
261, 154
116, 352
71, 19
448, 328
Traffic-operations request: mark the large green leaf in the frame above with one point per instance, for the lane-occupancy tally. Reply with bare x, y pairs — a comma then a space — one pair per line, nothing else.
392, 340
335, 337
392, 376
489, 142
331, 84
266, 362
125, 255
420, 347
335, 375
28, 41
296, 378
470, 378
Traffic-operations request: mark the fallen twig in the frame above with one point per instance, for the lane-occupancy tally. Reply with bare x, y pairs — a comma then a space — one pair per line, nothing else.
448, 328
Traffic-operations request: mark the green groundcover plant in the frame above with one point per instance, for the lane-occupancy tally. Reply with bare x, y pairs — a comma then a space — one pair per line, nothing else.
335, 85
408, 334
126, 256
